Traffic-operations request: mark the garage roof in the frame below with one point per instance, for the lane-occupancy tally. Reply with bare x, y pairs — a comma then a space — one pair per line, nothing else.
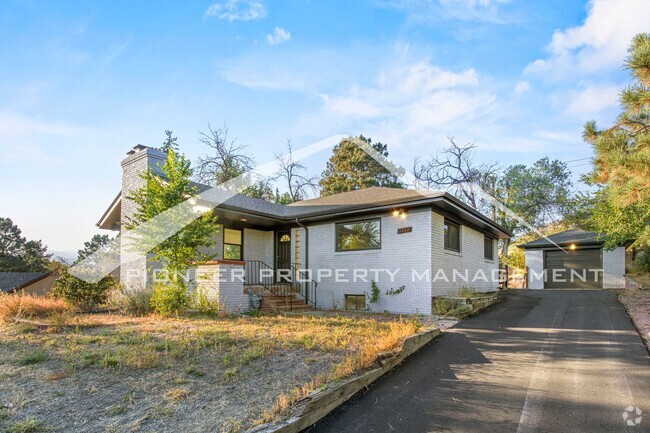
572, 236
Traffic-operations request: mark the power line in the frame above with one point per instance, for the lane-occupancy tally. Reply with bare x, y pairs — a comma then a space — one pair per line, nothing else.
579, 159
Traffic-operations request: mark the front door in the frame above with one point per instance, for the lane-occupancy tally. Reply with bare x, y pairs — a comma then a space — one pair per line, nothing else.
283, 256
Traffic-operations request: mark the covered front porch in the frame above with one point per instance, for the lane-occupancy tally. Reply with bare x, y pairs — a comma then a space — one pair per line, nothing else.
260, 259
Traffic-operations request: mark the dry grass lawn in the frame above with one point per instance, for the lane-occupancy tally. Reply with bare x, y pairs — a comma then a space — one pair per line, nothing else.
114, 373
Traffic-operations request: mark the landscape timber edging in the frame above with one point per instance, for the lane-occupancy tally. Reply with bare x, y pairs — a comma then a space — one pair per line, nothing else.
321, 402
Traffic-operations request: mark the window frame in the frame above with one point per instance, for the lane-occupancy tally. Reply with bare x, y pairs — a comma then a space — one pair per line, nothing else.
487, 238
240, 245
336, 235
355, 296
448, 222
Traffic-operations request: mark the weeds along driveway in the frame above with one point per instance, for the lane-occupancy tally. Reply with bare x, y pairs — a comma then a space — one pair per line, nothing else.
556, 361
114, 373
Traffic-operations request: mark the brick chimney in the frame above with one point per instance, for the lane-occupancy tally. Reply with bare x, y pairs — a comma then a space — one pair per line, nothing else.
134, 266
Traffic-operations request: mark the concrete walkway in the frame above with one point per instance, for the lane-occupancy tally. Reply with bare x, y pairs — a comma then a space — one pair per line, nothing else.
539, 361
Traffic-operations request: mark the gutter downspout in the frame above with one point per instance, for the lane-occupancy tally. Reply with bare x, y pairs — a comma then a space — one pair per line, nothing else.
301, 225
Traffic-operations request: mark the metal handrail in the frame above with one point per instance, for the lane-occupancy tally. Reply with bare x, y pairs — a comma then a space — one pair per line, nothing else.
307, 285
256, 272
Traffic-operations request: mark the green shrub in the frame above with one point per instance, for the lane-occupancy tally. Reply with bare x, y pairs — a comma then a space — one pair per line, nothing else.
134, 302
203, 304
442, 306
81, 293
642, 261
169, 298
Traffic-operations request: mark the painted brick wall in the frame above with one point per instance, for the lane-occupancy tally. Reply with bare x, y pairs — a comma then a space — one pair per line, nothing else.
258, 245
218, 283
467, 262
535, 264
402, 253
133, 266
614, 268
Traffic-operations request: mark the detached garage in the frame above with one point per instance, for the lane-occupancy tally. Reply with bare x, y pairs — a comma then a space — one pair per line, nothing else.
574, 259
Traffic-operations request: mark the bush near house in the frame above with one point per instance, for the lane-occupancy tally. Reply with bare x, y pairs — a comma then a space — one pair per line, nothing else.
81, 293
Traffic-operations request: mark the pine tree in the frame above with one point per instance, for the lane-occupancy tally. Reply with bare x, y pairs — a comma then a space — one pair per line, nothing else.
622, 157
350, 168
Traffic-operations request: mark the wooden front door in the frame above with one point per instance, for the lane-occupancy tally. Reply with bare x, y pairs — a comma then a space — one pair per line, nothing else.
283, 256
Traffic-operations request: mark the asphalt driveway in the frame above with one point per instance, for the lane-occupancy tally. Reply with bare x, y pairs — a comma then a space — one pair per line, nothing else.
539, 361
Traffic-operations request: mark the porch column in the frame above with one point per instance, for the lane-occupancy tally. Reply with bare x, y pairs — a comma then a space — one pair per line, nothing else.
223, 281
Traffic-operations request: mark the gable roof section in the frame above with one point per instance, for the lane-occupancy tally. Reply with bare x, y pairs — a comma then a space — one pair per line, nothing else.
12, 281
573, 236
365, 200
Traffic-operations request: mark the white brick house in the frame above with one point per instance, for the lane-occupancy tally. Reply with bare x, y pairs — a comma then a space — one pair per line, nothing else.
420, 244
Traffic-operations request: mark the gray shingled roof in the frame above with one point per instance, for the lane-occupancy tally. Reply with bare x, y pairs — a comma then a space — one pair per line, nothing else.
572, 236
359, 200
375, 196
10, 281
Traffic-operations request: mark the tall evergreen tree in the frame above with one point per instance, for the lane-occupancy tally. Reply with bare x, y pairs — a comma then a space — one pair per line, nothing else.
17, 254
350, 168
622, 157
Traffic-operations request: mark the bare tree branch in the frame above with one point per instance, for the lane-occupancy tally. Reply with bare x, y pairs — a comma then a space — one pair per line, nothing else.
227, 159
290, 172
455, 167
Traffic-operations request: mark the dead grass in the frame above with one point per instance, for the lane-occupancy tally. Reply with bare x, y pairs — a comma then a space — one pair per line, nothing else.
222, 353
27, 306
641, 278
176, 394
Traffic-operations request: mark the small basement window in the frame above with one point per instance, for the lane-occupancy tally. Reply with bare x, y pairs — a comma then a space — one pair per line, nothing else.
355, 302
488, 248
452, 236
232, 242
358, 235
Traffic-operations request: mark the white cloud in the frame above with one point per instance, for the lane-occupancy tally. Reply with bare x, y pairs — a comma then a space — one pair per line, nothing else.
278, 36
521, 87
600, 43
14, 125
409, 103
592, 100
430, 11
233, 10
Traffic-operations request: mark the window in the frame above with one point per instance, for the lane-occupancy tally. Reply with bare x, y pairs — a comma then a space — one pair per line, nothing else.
232, 241
452, 236
358, 235
355, 302
488, 248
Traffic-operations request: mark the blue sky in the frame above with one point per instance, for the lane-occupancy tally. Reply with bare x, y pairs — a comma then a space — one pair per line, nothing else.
82, 82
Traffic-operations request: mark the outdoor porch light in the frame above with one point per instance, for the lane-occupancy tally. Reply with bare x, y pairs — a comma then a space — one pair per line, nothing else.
572, 246
243, 219
395, 213
401, 213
